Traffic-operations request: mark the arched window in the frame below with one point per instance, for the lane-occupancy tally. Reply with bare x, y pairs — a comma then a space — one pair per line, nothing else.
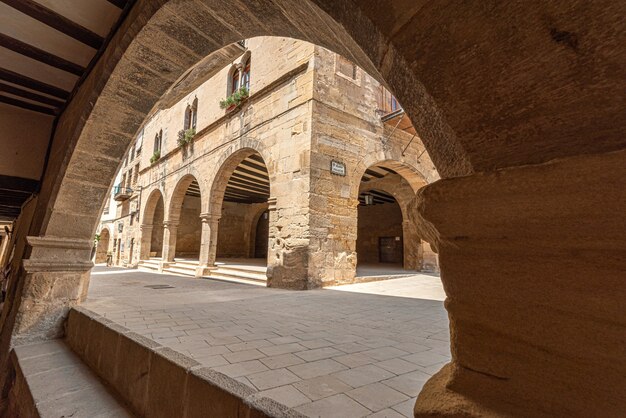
157, 141
191, 116
194, 113
187, 123
245, 77
234, 81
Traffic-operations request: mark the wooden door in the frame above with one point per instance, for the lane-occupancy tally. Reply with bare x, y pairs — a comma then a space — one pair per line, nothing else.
390, 249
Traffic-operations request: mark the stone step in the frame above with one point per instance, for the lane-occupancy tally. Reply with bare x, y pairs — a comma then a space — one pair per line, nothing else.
242, 267
228, 273
194, 263
52, 381
233, 279
184, 270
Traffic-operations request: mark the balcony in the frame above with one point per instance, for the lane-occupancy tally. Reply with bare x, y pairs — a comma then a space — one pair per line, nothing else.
121, 193
392, 114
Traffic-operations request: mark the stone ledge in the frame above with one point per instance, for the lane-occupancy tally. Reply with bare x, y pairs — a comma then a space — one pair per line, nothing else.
158, 381
51, 381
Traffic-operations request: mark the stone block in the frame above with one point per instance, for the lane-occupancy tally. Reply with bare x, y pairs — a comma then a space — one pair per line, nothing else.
213, 394
167, 382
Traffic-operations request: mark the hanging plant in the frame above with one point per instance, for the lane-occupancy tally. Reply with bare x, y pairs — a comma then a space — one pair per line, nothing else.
185, 136
155, 157
235, 99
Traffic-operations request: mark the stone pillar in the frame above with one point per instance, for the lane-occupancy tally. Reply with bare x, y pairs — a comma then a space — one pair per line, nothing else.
412, 246
208, 243
54, 278
532, 261
146, 241
169, 241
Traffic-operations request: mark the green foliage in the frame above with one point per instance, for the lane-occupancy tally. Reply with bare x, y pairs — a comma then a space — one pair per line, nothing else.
96, 239
185, 136
235, 99
155, 157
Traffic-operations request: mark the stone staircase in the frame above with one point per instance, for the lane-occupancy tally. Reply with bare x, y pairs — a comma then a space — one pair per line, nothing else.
151, 264
184, 267
240, 273
237, 271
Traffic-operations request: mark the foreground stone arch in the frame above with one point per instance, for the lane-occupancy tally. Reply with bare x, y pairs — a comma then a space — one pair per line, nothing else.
533, 90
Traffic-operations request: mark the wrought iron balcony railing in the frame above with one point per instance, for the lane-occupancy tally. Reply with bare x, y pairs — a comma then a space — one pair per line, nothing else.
121, 193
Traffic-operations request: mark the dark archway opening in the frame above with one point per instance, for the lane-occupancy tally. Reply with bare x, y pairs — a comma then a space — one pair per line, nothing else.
156, 241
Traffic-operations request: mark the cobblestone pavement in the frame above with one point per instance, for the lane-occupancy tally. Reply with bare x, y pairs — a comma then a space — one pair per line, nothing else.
350, 351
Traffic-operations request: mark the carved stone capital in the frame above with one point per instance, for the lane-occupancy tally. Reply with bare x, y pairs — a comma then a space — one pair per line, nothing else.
209, 217
58, 254
272, 203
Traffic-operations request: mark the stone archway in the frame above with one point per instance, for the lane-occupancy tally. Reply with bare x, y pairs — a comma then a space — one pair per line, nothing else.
183, 225
152, 226
385, 190
240, 193
531, 110
103, 246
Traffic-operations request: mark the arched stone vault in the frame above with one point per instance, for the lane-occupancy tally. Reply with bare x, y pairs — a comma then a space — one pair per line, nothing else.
532, 89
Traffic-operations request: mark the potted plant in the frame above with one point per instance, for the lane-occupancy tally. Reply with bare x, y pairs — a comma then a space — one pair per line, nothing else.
235, 99
185, 136
155, 157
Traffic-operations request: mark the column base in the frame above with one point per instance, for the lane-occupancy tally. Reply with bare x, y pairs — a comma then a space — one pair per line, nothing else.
437, 400
204, 270
163, 265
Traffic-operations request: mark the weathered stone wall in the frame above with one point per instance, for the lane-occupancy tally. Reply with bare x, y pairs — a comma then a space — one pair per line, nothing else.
237, 227
274, 122
376, 221
351, 131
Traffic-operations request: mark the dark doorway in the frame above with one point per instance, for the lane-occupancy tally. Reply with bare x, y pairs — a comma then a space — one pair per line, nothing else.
262, 236
390, 249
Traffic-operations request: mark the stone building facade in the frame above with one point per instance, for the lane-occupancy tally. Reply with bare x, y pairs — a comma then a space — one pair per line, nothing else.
312, 168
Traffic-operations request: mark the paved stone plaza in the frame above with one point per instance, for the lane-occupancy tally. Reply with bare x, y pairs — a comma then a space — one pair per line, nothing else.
350, 351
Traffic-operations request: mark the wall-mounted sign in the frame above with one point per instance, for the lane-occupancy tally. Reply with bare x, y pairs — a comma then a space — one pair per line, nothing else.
338, 168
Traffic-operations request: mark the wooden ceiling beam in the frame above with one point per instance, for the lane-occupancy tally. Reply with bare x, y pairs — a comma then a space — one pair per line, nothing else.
30, 83
57, 21
7, 88
27, 105
40, 55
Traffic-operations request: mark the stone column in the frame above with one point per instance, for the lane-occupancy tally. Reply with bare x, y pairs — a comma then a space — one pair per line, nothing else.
533, 264
169, 241
208, 244
54, 278
146, 241
412, 246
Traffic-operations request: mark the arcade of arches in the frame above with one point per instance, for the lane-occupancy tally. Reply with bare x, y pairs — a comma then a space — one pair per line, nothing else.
520, 106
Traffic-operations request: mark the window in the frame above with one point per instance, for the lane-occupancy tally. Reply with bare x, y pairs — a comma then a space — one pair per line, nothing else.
245, 77
132, 152
191, 115
234, 81
157, 141
136, 174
